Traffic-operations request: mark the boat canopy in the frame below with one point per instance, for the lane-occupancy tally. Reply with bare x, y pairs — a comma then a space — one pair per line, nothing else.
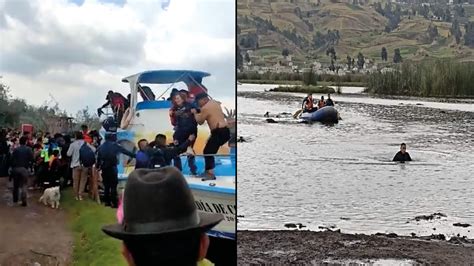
165, 76
160, 77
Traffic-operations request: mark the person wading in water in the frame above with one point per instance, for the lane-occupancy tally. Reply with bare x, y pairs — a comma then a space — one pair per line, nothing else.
402, 155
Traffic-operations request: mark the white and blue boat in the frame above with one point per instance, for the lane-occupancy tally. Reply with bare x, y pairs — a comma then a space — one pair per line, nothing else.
150, 117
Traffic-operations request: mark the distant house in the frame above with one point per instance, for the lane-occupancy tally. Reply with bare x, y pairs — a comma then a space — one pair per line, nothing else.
386, 70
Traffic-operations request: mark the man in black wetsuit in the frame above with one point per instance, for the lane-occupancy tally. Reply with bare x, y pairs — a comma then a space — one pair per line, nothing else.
402, 155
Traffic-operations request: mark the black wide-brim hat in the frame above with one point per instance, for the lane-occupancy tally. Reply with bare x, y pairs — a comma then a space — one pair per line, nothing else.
157, 202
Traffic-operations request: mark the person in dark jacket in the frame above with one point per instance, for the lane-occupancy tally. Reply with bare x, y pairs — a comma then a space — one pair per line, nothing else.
185, 125
161, 154
143, 159
4, 153
21, 162
107, 162
402, 155
329, 101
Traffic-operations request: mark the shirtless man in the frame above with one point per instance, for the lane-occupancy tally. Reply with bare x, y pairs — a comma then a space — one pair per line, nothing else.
211, 112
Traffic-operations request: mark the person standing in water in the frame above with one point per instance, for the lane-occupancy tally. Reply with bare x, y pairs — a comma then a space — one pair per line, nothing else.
402, 155
211, 112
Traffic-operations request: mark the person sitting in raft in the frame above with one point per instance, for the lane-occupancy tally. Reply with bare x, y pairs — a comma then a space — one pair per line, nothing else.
308, 104
402, 155
329, 101
321, 103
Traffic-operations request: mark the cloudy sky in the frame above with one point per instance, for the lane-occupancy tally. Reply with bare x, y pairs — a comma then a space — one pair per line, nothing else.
77, 50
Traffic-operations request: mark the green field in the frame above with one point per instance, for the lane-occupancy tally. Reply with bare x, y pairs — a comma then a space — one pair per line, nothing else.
361, 29
91, 245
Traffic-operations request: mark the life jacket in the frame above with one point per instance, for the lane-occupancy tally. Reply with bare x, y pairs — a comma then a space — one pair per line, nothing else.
117, 100
87, 137
321, 104
184, 118
309, 104
51, 161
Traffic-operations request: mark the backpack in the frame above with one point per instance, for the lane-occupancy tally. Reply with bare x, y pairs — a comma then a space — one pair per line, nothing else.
86, 155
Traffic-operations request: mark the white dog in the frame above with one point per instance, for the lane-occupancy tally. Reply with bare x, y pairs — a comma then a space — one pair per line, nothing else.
51, 196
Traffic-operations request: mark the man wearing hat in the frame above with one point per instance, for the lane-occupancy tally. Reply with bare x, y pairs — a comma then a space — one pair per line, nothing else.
161, 225
211, 112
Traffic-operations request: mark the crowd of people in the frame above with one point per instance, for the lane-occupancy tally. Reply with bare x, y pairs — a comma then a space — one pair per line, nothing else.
46, 158
64, 160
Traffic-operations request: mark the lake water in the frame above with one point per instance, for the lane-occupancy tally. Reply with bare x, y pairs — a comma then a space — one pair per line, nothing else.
317, 174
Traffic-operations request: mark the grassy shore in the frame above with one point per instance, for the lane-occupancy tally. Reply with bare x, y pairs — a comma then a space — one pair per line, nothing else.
267, 81
297, 82
91, 245
304, 89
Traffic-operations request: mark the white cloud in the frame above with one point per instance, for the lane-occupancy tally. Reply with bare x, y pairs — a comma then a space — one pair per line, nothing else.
78, 52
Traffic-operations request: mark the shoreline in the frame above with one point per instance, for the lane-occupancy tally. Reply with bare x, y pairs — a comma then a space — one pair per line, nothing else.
299, 83
316, 247
290, 84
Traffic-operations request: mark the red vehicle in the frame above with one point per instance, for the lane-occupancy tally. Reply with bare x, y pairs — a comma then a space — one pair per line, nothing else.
26, 128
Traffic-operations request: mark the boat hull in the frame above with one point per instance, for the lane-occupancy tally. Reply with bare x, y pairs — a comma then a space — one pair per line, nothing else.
327, 114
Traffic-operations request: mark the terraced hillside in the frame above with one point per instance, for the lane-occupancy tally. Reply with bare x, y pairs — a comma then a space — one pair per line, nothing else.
293, 24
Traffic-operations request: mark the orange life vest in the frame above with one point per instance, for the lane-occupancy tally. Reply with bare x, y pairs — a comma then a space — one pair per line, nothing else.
309, 104
321, 104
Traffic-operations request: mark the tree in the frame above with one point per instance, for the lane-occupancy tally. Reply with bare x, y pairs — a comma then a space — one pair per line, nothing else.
240, 59
331, 66
424, 11
447, 15
332, 53
456, 31
360, 60
384, 54
247, 57
309, 78
469, 35
285, 52
86, 117
397, 57
349, 62
432, 32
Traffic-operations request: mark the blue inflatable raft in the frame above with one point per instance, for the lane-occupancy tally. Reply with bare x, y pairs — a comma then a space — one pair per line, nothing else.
327, 114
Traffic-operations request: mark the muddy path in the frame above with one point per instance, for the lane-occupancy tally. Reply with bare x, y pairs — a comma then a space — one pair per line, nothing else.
32, 234
330, 247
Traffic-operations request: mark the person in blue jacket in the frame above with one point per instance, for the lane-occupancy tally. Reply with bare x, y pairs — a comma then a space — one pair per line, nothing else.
107, 162
185, 125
